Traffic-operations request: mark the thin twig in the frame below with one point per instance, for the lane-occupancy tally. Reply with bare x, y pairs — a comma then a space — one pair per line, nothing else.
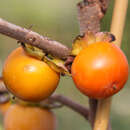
82, 110
71, 104
4, 94
27, 36
4, 97
2, 86
93, 107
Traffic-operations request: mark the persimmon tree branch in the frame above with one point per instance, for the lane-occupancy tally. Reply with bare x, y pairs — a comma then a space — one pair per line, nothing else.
4, 95
90, 13
93, 107
82, 110
28, 36
2, 86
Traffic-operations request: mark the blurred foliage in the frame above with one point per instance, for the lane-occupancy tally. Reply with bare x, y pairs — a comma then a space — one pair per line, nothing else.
57, 19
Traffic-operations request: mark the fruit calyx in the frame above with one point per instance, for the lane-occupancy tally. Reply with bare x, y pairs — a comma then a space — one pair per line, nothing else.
82, 41
46, 104
55, 63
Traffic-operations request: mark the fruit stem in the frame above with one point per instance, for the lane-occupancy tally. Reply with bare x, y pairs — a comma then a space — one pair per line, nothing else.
117, 27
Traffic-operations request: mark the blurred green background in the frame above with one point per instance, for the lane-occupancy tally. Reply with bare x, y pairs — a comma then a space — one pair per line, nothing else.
57, 19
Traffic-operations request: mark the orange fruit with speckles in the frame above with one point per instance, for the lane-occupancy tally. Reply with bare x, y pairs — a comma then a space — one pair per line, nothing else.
27, 77
20, 117
100, 70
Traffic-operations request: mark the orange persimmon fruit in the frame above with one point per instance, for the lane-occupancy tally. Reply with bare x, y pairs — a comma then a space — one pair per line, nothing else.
100, 70
21, 117
4, 107
27, 77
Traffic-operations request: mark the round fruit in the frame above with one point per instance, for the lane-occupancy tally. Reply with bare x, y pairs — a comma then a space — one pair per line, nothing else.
29, 78
100, 70
20, 117
4, 107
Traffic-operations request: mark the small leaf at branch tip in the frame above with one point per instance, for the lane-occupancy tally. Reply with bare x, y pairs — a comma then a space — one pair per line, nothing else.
82, 41
55, 63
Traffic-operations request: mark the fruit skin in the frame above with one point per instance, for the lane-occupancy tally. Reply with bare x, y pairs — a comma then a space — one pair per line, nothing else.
4, 107
100, 70
29, 78
19, 117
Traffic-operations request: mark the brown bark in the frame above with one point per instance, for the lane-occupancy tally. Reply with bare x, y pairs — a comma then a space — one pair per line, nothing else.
90, 13
27, 36
71, 104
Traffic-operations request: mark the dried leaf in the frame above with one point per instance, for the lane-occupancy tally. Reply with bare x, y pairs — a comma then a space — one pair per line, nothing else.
81, 42
89, 38
55, 63
33, 51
